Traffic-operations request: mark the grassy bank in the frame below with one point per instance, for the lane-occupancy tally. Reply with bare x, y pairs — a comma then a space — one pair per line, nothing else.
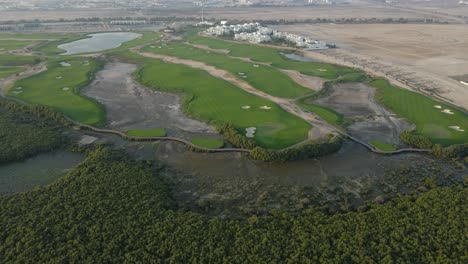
59, 88
210, 99
383, 146
154, 132
212, 143
425, 113
264, 78
10, 60
7, 71
7, 45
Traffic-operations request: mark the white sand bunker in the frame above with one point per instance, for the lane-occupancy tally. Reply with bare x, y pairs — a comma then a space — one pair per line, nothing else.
246, 107
65, 64
86, 63
448, 112
18, 88
250, 132
152, 47
58, 77
245, 77
256, 65
457, 128
159, 47
322, 70
265, 107
241, 73
65, 88
438, 106
17, 92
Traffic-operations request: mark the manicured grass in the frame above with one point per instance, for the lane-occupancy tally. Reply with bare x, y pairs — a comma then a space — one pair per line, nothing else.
154, 132
383, 146
418, 109
326, 114
17, 60
39, 36
264, 78
271, 55
146, 37
210, 99
51, 48
5, 72
208, 142
7, 45
45, 89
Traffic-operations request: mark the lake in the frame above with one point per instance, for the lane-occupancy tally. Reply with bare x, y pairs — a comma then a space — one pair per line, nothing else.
98, 42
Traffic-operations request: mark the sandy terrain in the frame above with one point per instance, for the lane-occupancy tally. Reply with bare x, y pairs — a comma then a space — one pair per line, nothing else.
373, 122
129, 105
428, 56
313, 83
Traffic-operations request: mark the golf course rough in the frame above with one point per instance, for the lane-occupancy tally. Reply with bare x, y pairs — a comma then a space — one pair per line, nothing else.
59, 87
211, 143
207, 98
434, 120
383, 146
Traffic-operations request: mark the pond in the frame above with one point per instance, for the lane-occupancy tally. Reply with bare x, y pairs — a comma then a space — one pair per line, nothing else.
36, 171
98, 42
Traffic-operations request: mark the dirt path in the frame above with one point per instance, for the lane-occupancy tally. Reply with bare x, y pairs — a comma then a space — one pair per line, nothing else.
6, 84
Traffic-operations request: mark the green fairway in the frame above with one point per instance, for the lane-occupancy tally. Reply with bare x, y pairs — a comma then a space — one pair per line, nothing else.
425, 113
59, 88
17, 60
7, 45
7, 71
154, 132
264, 78
326, 114
383, 146
38, 36
271, 55
208, 143
210, 99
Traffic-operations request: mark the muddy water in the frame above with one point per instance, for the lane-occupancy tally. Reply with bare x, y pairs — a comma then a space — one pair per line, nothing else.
36, 171
130, 105
98, 42
298, 57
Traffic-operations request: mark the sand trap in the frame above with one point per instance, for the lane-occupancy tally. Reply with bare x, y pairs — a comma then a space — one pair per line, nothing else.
256, 65
246, 107
456, 128
465, 83
65, 88
65, 64
241, 73
448, 112
58, 77
152, 47
265, 107
322, 70
250, 132
18, 88
17, 92
245, 77
438, 106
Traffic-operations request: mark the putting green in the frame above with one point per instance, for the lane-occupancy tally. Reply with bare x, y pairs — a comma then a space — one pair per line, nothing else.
154, 132
264, 78
383, 146
208, 143
426, 113
59, 88
271, 55
210, 99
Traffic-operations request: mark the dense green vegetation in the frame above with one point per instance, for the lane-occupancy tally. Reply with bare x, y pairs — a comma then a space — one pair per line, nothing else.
263, 78
430, 121
154, 132
17, 60
146, 37
23, 135
7, 45
59, 87
210, 99
51, 48
271, 55
112, 209
212, 143
383, 146
7, 71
